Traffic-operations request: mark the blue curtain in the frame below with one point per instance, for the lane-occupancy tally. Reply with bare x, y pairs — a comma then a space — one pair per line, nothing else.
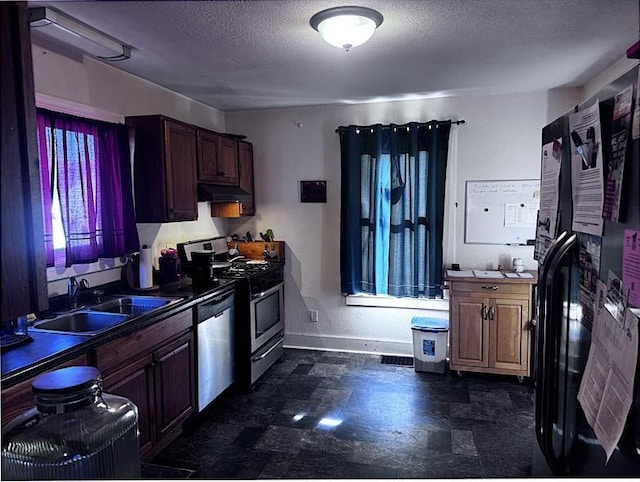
393, 180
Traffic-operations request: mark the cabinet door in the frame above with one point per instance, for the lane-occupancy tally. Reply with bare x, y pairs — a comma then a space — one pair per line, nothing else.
24, 280
180, 152
469, 337
245, 163
174, 380
135, 382
509, 334
207, 156
227, 161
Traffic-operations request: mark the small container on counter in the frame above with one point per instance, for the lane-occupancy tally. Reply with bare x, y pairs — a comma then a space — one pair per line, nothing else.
76, 431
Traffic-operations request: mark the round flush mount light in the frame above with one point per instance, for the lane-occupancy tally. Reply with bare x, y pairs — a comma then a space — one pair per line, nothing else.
346, 27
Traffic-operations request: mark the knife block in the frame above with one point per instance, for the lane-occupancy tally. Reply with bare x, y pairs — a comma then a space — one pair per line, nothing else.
254, 250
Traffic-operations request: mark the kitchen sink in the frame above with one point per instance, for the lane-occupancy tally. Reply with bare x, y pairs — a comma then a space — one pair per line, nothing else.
81, 322
133, 305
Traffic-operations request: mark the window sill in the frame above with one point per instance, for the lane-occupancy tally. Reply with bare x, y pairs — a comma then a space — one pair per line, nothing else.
391, 302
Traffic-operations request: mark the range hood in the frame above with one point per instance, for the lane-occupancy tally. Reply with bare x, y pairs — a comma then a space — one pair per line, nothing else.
222, 194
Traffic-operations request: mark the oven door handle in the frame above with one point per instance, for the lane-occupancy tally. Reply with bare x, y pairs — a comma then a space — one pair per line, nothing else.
266, 353
270, 291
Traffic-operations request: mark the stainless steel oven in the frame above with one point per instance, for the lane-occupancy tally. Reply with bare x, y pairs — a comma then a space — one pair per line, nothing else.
267, 315
260, 318
267, 330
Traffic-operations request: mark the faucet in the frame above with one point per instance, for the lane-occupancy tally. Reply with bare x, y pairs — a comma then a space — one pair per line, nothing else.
73, 288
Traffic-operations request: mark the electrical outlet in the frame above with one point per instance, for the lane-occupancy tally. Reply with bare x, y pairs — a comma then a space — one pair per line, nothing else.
313, 315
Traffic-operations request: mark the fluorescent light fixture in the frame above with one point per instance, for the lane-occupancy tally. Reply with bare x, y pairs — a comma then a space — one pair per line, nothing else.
346, 27
63, 28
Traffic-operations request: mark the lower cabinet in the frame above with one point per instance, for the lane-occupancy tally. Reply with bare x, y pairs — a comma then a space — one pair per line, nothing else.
155, 369
135, 382
490, 326
174, 388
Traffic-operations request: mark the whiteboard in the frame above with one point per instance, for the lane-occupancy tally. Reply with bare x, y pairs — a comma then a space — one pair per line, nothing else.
501, 212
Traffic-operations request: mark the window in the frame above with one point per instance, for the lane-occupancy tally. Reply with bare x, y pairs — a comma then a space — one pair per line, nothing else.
393, 179
86, 188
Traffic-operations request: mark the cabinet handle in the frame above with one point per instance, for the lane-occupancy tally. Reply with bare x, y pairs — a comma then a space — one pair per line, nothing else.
492, 313
493, 287
485, 313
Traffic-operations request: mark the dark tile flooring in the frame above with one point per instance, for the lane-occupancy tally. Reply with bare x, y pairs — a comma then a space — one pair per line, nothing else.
343, 415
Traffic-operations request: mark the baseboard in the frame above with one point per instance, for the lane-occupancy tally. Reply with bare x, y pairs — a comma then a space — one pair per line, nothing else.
355, 345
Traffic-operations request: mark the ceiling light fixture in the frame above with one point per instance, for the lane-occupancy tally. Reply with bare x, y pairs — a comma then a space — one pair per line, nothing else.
346, 27
61, 27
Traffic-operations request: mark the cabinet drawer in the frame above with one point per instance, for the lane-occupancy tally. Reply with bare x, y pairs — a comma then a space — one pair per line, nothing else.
122, 349
490, 288
19, 398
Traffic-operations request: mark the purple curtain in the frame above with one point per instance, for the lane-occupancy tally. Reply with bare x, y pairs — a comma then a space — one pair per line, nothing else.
89, 161
46, 183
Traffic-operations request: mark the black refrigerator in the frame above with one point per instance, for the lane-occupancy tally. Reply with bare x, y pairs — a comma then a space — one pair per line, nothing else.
564, 443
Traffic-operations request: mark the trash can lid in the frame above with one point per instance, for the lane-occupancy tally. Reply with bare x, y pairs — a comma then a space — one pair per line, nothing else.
429, 324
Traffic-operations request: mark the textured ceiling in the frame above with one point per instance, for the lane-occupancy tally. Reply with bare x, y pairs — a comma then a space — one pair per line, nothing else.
236, 55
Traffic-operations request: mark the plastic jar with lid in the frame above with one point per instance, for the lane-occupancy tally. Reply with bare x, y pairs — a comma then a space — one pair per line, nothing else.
75, 431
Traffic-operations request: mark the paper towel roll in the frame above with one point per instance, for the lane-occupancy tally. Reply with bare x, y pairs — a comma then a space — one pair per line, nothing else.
146, 267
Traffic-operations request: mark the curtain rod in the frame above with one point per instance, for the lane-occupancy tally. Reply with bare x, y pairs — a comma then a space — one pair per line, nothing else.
419, 124
73, 117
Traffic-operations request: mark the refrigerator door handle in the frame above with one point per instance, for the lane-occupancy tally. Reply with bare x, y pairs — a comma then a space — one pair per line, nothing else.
549, 382
540, 335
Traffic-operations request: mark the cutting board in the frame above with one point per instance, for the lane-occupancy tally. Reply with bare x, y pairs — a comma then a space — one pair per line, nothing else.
255, 249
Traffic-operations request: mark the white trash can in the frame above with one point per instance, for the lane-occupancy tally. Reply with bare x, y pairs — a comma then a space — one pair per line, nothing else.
430, 341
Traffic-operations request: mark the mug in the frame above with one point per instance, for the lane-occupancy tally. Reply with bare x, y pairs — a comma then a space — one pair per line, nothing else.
518, 265
20, 325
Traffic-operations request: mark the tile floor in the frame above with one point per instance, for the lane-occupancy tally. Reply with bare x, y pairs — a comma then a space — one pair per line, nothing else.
343, 415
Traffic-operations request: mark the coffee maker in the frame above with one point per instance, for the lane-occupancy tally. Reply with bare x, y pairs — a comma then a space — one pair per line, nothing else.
202, 263
203, 259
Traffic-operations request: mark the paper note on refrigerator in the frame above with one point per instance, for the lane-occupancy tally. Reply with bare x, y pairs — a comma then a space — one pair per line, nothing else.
549, 197
586, 170
631, 265
606, 390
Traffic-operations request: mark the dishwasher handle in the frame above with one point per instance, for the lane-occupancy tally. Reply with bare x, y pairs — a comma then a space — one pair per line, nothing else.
215, 307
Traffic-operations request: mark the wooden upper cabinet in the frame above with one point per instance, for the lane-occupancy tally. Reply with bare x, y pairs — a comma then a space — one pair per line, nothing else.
24, 279
207, 155
164, 169
245, 168
228, 160
245, 161
217, 158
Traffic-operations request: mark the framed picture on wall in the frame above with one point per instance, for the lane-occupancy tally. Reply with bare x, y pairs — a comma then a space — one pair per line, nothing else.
313, 191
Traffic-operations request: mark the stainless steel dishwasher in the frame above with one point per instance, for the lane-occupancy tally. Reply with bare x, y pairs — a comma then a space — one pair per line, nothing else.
216, 357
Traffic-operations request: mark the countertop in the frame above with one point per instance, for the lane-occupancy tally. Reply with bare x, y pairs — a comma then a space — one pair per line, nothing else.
492, 276
47, 350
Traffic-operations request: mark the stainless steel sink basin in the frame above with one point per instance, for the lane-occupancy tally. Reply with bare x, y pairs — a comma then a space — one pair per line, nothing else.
133, 305
81, 322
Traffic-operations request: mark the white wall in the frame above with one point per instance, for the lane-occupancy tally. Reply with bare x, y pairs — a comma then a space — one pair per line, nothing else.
90, 88
500, 140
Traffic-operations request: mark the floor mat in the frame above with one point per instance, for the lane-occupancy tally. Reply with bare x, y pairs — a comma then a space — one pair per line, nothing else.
153, 471
406, 361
